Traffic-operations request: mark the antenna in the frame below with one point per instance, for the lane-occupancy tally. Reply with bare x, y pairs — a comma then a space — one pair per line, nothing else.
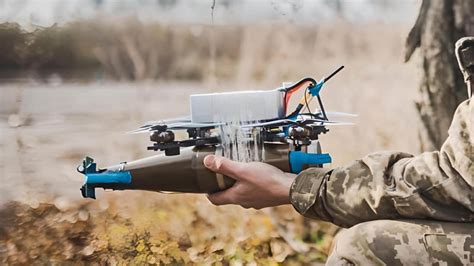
324, 81
333, 73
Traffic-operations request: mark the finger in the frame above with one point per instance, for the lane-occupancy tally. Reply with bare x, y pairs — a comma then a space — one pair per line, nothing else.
224, 166
222, 197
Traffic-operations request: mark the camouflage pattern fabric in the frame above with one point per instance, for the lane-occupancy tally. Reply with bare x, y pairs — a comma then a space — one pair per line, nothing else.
433, 186
396, 185
464, 48
409, 242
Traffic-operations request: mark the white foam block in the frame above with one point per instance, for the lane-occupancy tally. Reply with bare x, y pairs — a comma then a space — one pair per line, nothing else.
237, 106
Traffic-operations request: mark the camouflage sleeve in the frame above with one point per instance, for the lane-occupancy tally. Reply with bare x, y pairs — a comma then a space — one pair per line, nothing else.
392, 185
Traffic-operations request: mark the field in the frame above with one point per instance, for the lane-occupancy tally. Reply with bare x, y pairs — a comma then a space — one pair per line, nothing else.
48, 125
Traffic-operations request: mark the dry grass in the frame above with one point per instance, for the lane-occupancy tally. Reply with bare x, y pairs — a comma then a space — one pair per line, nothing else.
131, 50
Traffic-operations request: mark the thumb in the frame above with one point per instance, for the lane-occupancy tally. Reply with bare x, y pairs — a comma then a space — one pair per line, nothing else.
224, 166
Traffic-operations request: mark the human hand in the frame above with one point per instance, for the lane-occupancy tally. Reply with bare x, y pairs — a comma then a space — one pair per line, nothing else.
257, 185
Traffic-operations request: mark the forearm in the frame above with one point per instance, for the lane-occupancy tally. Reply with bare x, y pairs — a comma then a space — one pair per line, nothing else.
372, 189
351, 194
390, 185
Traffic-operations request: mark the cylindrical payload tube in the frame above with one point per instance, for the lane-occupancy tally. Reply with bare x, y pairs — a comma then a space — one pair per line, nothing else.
179, 173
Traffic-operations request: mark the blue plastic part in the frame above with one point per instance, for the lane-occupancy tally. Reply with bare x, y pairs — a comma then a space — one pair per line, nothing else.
95, 179
88, 191
299, 159
101, 179
109, 178
314, 91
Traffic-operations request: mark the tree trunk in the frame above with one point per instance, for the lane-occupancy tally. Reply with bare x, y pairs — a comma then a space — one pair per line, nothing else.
439, 25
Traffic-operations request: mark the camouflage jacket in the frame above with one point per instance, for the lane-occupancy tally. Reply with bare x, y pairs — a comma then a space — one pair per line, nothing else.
395, 185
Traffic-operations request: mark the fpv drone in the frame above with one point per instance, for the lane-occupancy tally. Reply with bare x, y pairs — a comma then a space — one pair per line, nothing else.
280, 138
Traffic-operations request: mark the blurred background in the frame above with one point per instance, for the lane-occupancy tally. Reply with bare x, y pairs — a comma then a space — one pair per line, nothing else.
76, 75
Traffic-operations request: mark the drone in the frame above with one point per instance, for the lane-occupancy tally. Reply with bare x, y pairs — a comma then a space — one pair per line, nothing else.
297, 128
281, 138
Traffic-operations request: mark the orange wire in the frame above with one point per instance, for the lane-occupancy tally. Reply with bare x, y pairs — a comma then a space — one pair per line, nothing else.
289, 93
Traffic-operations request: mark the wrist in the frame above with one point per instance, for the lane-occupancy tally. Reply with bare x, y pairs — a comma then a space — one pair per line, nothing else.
283, 194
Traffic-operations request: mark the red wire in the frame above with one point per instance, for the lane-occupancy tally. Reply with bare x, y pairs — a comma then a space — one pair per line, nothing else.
290, 92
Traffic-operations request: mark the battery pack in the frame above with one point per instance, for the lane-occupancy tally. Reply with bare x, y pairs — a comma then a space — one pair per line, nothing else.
237, 106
